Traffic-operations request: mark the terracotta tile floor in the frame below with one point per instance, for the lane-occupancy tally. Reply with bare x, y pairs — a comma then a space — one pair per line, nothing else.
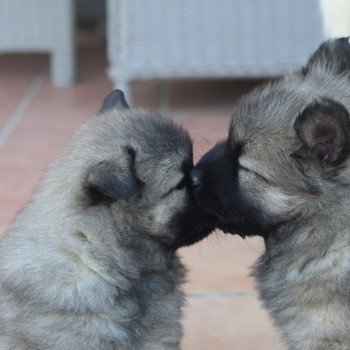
36, 120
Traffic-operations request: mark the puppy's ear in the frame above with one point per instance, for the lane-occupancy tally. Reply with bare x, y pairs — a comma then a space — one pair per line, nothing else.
323, 127
112, 179
114, 100
332, 55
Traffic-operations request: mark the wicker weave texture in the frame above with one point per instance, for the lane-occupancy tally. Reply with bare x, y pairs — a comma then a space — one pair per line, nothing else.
204, 38
41, 26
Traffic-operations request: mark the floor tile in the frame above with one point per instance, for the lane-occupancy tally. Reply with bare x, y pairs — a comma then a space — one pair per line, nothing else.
221, 263
228, 323
16, 74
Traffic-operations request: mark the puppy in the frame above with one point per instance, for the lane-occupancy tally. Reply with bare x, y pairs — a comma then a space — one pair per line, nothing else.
90, 262
284, 173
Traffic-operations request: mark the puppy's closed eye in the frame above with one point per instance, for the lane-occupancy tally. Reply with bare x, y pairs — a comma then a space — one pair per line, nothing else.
260, 176
181, 185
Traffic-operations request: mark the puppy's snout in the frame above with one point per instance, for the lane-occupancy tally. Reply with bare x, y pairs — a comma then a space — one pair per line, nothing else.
195, 178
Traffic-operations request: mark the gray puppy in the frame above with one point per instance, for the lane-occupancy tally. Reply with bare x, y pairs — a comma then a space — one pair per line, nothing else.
90, 262
284, 174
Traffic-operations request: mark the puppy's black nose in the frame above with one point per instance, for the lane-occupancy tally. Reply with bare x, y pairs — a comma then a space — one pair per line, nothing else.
195, 178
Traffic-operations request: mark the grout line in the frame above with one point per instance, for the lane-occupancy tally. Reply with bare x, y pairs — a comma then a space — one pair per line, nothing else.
21, 107
241, 293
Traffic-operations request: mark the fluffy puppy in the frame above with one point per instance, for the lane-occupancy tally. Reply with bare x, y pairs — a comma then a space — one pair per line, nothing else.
284, 173
90, 262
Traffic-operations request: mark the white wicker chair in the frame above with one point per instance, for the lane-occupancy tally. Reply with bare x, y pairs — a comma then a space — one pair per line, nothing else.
162, 39
41, 26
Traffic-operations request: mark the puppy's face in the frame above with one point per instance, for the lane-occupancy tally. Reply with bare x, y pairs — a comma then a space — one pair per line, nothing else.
142, 174
287, 148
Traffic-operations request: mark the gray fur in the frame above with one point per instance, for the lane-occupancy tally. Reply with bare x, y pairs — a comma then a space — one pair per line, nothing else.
298, 182
304, 276
85, 273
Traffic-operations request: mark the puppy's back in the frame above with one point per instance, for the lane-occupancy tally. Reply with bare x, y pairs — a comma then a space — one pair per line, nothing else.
66, 281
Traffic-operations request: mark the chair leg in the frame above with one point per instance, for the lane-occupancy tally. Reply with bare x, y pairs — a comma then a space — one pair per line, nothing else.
63, 56
63, 72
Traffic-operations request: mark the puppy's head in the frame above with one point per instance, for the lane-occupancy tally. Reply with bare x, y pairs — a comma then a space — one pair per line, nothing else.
287, 150
137, 164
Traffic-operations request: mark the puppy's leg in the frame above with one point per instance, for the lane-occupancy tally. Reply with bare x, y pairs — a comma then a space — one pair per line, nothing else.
9, 343
314, 343
163, 346
166, 337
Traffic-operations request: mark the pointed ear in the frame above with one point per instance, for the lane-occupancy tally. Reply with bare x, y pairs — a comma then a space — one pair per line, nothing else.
114, 100
333, 55
323, 127
112, 179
